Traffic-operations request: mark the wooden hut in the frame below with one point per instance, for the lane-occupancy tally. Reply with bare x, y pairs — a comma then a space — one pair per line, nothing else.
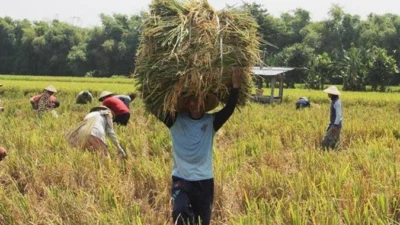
273, 75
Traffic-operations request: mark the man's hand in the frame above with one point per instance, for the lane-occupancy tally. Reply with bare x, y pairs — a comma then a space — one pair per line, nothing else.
237, 76
335, 129
122, 153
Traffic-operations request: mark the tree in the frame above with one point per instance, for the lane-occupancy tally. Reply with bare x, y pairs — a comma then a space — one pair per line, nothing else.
299, 56
381, 68
320, 72
353, 69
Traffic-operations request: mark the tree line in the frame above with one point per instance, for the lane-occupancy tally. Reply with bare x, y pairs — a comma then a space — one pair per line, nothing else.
342, 49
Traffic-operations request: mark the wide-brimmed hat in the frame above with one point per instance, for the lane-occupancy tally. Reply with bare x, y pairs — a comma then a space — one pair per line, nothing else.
305, 98
333, 90
102, 108
51, 88
99, 108
105, 94
210, 103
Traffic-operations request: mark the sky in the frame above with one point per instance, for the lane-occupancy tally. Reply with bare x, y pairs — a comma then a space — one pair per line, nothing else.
86, 12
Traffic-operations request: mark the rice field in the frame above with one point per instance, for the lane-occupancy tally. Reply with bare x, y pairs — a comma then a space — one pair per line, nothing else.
267, 163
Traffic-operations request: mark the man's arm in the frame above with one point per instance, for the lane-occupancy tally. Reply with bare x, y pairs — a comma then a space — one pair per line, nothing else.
169, 119
110, 132
223, 115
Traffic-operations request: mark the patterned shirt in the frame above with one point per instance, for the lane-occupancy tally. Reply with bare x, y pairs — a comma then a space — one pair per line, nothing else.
45, 103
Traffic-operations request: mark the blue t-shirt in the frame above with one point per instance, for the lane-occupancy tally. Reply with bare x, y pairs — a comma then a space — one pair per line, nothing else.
192, 141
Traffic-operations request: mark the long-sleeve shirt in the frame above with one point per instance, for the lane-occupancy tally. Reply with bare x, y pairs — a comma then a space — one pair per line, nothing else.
192, 140
102, 126
124, 98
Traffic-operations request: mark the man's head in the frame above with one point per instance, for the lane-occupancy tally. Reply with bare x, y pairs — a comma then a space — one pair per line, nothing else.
132, 96
196, 105
104, 95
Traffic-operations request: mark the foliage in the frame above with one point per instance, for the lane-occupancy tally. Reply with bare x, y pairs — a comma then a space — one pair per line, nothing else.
299, 56
59, 48
319, 72
353, 69
381, 68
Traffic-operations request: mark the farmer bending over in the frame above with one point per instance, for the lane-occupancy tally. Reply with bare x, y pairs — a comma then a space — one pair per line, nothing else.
302, 103
122, 113
192, 131
84, 97
46, 101
91, 133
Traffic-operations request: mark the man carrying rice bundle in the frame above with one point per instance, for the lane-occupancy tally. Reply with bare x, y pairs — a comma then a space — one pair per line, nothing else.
190, 58
91, 133
192, 131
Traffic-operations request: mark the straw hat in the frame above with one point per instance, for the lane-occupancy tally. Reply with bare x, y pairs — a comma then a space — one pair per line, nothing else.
210, 103
332, 90
101, 108
305, 98
104, 94
51, 88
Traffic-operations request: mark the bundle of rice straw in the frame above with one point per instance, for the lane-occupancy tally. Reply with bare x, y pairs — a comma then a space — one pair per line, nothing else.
78, 136
188, 47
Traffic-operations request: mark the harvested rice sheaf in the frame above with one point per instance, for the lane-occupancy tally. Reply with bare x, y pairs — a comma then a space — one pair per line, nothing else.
189, 48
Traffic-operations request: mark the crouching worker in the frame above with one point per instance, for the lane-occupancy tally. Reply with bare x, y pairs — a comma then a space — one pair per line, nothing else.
91, 133
3, 153
302, 103
46, 102
84, 97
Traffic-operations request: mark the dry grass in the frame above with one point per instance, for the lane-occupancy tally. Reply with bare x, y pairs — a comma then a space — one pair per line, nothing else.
268, 166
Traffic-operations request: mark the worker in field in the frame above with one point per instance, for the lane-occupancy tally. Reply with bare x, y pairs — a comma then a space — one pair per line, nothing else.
126, 99
118, 107
192, 131
84, 97
3, 153
46, 102
303, 102
91, 133
332, 136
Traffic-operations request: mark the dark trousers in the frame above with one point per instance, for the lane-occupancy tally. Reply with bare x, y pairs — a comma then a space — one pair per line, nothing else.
122, 119
192, 201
